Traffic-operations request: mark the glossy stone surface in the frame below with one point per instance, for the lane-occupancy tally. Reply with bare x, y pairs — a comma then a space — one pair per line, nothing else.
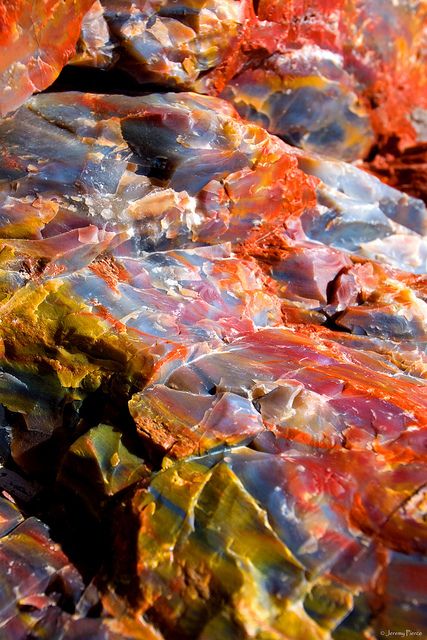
306, 97
213, 379
261, 543
175, 43
346, 79
336, 77
289, 534
99, 464
35, 574
380, 45
94, 48
176, 168
42, 593
37, 39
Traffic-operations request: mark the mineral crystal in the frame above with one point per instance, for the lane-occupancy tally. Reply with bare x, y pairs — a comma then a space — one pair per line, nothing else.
35, 576
331, 64
42, 593
308, 98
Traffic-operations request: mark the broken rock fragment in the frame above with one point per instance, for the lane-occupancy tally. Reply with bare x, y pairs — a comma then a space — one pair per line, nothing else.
36, 39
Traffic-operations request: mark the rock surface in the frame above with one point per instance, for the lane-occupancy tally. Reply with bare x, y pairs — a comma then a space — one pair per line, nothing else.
37, 39
213, 402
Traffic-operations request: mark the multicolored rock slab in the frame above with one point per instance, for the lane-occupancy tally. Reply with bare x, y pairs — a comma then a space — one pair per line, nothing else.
343, 78
213, 321
37, 38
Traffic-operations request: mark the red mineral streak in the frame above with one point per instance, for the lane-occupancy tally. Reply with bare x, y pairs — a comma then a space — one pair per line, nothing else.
383, 46
382, 49
37, 37
405, 170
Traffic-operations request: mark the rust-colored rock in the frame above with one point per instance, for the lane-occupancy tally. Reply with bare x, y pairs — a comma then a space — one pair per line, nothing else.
37, 38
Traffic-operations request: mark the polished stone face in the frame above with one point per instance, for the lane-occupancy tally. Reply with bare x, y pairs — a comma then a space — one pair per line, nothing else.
37, 38
212, 327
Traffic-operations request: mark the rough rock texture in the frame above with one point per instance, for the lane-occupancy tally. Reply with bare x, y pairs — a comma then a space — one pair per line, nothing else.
405, 165
213, 374
381, 45
306, 96
94, 48
213, 404
178, 43
344, 78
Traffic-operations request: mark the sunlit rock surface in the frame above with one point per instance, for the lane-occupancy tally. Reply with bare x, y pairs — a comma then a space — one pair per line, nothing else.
346, 79
342, 78
213, 377
172, 169
37, 38
380, 45
255, 542
307, 97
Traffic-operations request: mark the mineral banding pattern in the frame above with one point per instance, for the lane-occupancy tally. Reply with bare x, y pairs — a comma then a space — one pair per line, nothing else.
213, 319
